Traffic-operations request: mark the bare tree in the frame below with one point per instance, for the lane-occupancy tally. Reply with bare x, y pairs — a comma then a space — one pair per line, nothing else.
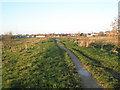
115, 32
7, 39
119, 31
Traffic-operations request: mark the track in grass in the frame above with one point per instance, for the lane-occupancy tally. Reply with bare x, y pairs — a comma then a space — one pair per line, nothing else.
87, 80
101, 64
40, 64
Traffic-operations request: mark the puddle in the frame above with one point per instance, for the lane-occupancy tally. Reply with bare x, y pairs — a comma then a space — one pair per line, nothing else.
83, 72
87, 79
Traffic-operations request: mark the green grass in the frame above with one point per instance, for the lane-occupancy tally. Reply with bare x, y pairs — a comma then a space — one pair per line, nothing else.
40, 65
101, 64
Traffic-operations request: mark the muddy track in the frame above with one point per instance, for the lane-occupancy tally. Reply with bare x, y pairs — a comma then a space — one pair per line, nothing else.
86, 79
114, 73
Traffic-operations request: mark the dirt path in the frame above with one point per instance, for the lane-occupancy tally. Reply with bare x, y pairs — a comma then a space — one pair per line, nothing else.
86, 78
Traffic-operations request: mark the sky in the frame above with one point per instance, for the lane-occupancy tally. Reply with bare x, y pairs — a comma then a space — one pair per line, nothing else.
57, 16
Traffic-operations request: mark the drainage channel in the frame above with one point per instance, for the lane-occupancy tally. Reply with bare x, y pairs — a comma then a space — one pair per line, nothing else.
86, 78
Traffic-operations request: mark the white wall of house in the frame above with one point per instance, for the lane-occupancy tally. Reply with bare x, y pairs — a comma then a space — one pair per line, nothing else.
92, 34
39, 36
28, 36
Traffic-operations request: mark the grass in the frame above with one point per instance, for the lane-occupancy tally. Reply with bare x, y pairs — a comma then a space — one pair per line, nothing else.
37, 64
101, 64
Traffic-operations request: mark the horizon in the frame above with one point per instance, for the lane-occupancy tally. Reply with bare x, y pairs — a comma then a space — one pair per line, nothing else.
51, 33
57, 17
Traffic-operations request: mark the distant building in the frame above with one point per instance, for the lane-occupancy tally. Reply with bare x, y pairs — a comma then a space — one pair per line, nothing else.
40, 36
102, 34
75, 35
92, 34
20, 36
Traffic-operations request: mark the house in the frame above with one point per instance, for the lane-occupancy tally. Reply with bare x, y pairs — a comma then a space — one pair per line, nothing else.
40, 36
102, 34
92, 34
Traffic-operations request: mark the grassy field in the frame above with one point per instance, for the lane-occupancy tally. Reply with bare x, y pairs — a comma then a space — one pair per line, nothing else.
40, 63
35, 63
100, 63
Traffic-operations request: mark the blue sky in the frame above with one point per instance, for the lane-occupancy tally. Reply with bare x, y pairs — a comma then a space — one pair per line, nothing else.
57, 17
